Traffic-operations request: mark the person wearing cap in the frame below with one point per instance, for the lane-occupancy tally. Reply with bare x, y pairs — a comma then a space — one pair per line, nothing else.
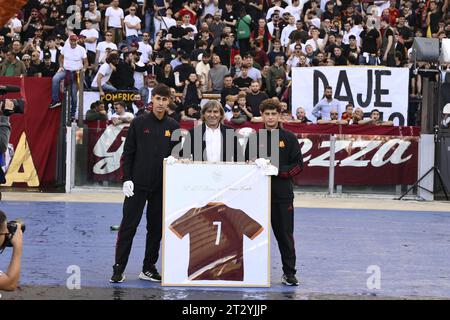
48, 68
73, 58
237, 116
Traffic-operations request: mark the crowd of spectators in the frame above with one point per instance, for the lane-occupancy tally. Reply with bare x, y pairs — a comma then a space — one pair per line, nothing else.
242, 50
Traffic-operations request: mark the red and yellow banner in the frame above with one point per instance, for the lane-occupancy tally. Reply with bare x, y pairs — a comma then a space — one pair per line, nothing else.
33, 134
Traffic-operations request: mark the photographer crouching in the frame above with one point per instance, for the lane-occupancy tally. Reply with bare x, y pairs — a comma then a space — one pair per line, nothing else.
11, 234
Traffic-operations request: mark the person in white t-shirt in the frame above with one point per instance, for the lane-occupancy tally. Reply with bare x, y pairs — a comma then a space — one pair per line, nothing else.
277, 6
140, 71
73, 58
101, 79
132, 26
121, 116
295, 9
163, 23
347, 33
287, 31
16, 26
94, 15
316, 42
187, 23
90, 42
102, 48
145, 48
114, 21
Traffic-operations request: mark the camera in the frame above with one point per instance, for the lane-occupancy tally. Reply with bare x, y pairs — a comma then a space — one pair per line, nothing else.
19, 104
12, 228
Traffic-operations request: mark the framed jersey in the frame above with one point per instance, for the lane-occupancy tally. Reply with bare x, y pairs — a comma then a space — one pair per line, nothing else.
216, 225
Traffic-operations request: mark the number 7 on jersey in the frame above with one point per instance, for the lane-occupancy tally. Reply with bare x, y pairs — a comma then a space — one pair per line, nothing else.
219, 230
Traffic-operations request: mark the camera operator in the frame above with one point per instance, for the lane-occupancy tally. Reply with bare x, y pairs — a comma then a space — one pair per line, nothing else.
5, 132
10, 279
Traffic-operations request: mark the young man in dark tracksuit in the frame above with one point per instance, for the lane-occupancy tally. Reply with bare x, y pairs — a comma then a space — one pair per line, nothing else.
148, 142
290, 163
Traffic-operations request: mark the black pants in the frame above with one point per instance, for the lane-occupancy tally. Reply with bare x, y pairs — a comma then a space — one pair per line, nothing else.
390, 61
132, 213
282, 218
244, 47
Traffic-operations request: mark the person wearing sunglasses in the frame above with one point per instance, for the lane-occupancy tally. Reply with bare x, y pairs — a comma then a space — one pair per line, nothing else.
132, 26
9, 280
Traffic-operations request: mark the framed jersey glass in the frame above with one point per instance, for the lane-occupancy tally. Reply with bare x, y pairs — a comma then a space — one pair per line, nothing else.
216, 225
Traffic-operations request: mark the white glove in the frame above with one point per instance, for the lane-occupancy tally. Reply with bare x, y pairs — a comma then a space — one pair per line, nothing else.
262, 163
270, 170
128, 187
171, 160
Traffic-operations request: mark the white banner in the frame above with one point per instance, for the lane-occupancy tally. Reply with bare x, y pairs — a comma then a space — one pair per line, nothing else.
385, 89
216, 225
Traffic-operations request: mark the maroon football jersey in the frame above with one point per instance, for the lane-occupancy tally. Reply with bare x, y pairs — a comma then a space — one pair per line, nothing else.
216, 241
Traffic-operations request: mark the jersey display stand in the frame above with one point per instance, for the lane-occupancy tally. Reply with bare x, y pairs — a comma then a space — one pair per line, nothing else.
216, 225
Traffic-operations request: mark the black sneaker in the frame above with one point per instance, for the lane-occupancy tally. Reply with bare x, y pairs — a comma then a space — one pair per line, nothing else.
150, 275
289, 280
54, 105
117, 276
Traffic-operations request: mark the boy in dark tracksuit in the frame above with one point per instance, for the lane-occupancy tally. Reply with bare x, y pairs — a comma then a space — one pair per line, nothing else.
282, 198
148, 142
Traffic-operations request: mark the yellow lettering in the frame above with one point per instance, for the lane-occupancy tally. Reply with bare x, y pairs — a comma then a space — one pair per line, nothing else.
22, 157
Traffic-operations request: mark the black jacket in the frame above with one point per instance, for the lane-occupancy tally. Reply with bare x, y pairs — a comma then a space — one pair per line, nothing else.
148, 142
123, 77
227, 155
290, 162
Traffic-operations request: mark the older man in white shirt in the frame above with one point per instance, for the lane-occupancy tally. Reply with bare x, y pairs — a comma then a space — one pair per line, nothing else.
207, 142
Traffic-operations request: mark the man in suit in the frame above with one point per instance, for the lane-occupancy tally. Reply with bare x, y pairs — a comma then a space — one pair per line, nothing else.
212, 141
